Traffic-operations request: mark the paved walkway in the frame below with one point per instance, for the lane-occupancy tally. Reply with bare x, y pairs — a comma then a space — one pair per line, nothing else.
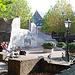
33, 54
39, 52
36, 52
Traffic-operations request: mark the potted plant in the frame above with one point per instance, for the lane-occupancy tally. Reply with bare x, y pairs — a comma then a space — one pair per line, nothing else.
48, 46
60, 44
71, 47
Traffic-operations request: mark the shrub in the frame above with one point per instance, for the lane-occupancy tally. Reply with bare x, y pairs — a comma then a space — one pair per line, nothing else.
64, 47
71, 46
61, 44
49, 44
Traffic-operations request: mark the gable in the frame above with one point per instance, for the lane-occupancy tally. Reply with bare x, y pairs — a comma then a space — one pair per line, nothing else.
37, 17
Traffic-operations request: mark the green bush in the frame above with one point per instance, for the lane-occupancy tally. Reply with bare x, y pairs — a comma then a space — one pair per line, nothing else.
61, 44
49, 44
64, 47
71, 46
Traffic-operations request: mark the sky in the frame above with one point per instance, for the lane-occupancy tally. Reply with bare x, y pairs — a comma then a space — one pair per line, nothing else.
42, 6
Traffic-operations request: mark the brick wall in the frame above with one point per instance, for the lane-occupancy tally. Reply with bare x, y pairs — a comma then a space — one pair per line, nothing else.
14, 68
52, 68
2, 25
23, 67
2, 56
5, 29
4, 36
5, 25
41, 74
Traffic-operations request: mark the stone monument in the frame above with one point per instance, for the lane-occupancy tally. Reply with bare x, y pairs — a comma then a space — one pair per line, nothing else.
27, 38
19, 37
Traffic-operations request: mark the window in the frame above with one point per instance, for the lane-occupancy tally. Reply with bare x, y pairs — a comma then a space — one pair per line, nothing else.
37, 23
40, 23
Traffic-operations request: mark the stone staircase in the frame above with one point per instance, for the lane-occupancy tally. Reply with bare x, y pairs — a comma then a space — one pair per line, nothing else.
42, 37
3, 68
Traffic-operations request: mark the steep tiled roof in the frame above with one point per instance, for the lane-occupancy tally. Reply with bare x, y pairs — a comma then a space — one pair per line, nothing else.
37, 16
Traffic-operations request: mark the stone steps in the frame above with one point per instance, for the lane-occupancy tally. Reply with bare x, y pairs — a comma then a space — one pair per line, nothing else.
42, 37
3, 68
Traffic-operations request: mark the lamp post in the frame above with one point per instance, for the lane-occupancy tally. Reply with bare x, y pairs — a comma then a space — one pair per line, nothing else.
67, 25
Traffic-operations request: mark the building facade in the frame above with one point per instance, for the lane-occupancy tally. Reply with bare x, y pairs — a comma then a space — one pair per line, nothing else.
5, 30
38, 20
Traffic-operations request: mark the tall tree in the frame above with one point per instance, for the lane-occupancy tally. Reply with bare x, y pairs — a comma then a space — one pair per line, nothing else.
3, 4
55, 17
19, 8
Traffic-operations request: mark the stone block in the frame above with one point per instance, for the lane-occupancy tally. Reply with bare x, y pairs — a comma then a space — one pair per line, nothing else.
2, 56
22, 67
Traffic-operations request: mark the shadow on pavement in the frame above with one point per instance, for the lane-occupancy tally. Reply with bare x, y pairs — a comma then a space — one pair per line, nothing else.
37, 52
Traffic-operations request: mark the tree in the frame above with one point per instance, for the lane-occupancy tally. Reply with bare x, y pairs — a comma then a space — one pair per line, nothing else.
19, 8
55, 17
3, 4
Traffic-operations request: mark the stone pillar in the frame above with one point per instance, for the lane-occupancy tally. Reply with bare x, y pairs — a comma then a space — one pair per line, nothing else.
29, 25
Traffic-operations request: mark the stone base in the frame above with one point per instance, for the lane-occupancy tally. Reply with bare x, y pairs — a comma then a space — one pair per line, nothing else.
16, 66
48, 50
2, 56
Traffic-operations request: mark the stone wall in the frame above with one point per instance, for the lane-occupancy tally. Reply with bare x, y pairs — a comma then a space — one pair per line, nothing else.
31, 67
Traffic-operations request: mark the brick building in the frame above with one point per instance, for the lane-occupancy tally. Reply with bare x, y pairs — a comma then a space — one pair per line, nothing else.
37, 20
5, 30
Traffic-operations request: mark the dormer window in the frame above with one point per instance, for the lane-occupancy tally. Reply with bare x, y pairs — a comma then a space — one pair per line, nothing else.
40, 23
37, 23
